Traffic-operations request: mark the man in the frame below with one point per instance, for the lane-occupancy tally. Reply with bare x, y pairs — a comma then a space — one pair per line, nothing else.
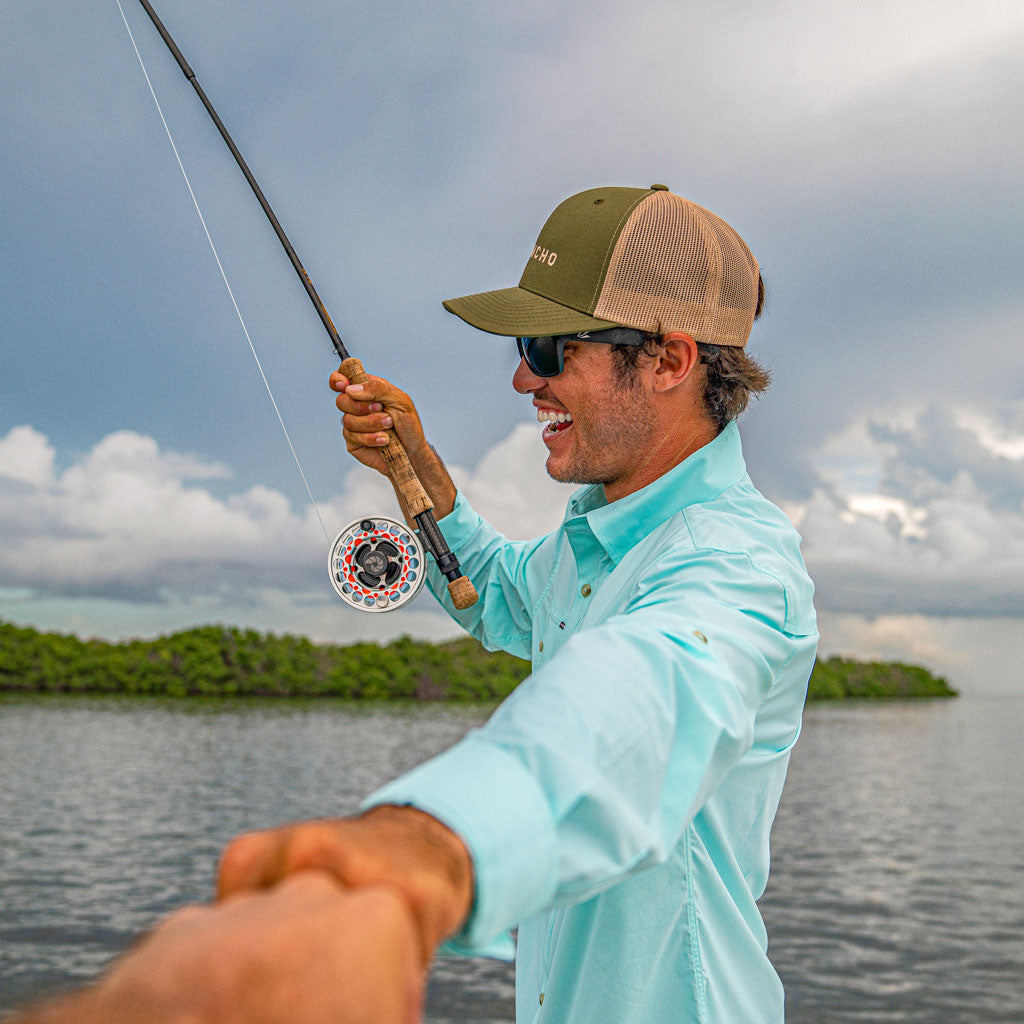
616, 808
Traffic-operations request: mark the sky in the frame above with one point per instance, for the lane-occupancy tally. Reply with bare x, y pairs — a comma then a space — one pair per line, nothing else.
869, 154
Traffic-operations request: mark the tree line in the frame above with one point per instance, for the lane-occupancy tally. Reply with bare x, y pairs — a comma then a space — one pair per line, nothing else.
216, 661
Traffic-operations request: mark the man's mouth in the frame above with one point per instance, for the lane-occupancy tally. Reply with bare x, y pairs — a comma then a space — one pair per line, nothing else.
556, 420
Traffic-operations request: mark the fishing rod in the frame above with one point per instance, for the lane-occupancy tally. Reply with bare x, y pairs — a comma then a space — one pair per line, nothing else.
372, 560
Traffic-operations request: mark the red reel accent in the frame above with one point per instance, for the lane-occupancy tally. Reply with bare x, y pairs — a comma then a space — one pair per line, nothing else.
377, 564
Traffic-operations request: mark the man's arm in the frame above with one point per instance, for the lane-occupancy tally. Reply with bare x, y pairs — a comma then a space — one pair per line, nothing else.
403, 849
590, 771
497, 566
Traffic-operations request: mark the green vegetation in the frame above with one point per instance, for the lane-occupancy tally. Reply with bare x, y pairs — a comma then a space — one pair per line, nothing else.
844, 678
213, 661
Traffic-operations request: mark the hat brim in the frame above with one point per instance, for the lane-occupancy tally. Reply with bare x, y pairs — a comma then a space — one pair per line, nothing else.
515, 312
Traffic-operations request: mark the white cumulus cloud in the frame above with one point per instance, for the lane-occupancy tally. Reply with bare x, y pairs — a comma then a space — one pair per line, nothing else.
914, 535
128, 519
919, 513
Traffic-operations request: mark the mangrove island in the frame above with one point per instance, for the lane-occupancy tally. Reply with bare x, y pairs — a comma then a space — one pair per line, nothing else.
215, 661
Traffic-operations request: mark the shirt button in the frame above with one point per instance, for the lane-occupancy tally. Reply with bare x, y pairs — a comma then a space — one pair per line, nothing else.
542, 999
585, 590
541, 645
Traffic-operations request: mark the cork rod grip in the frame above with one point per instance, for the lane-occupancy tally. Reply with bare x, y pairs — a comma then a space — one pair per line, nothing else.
399, 467
462, 593
416, 501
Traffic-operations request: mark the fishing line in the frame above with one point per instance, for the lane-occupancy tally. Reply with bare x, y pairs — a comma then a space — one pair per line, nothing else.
223, 274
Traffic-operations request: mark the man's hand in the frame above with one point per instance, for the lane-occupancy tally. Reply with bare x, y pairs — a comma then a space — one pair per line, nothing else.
304, 952
370, 409
400, 848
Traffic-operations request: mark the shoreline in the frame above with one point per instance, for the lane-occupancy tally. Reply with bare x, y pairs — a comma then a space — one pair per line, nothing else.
229, 663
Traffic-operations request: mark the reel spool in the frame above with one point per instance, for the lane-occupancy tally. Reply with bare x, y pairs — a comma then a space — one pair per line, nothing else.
377, 565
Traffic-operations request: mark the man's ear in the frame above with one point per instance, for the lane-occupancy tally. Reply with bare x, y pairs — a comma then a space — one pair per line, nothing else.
676, 360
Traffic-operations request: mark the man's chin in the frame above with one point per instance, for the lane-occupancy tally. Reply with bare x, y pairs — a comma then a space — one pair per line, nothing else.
558, 472
569, 474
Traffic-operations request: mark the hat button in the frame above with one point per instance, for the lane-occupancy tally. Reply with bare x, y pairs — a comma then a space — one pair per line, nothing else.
659, 188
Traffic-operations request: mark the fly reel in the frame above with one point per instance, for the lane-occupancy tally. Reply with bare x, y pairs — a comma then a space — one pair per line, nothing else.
376, 565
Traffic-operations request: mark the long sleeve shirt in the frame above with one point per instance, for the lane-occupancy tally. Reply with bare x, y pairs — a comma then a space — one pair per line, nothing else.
617, 805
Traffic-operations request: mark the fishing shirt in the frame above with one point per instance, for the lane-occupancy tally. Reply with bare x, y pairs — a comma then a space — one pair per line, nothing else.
617, 805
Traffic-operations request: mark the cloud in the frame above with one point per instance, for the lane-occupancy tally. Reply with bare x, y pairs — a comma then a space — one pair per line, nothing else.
511, 488
129, 520
26, 457
919, 513
913, 533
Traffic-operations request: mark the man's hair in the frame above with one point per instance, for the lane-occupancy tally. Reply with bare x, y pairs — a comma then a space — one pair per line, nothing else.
731, 376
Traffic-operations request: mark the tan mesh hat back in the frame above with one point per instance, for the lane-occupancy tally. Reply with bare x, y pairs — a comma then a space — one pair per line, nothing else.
678, 267
643, 258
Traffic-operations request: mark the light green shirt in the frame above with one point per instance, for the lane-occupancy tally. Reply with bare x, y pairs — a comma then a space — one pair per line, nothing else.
617, 805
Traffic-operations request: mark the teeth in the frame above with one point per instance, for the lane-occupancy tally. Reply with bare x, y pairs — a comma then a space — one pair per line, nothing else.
550, 416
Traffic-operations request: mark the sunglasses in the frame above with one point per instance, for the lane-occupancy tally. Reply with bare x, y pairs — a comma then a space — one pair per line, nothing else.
545, 356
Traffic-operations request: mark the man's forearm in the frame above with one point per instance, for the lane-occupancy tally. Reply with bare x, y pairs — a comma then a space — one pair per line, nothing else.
437, 482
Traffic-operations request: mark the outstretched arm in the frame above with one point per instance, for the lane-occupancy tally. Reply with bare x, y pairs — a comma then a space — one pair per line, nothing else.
305, 952
327, 922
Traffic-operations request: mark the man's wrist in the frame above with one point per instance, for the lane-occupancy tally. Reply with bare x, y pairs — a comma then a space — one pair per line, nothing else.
444, 902
438, 483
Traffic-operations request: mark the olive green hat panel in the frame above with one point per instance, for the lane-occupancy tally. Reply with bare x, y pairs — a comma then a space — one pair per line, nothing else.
515, 311
569, 261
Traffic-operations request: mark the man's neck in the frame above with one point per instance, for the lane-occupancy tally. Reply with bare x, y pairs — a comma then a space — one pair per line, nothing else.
660, 454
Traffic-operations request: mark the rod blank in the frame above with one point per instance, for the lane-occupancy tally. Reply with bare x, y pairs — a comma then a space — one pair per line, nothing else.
402, 474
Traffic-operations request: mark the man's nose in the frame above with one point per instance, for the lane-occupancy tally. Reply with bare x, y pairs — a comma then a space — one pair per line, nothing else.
524, 380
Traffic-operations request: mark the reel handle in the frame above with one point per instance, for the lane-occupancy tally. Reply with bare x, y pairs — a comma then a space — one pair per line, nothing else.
417, 502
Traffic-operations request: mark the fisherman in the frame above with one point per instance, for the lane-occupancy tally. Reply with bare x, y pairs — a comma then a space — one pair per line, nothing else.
616, 808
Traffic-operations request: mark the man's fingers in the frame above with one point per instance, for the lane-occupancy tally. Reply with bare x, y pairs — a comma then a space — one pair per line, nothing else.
374, 395
251, 861
259, 860
373, 389
367, 423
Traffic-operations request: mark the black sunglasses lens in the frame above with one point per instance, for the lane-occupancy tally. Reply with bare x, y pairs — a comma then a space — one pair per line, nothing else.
543, 355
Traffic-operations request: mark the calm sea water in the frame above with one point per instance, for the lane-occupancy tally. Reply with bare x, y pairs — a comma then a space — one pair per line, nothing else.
897, 888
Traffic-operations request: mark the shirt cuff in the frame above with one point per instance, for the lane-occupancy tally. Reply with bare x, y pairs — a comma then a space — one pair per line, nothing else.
459, 526
485, 795
461, 523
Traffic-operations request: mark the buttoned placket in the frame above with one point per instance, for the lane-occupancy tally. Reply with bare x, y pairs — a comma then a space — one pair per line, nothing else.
591, 566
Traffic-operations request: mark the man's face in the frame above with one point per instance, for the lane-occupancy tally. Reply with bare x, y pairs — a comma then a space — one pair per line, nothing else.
606, 422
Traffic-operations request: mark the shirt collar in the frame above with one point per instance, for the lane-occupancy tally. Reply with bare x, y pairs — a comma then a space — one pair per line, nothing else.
619, 525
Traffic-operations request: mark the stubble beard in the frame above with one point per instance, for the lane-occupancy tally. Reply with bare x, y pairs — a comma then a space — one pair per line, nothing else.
607, 449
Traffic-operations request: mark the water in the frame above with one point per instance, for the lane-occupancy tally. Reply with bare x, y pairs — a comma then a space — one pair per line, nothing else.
897, 889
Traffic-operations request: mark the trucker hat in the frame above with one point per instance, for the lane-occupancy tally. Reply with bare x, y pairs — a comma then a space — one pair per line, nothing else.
630, 257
